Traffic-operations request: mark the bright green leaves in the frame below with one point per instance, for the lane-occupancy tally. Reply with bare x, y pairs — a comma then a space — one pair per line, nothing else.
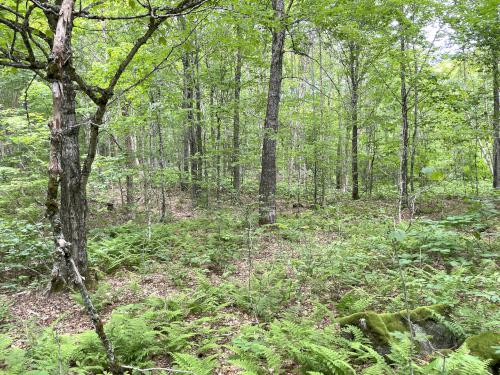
398, 235
432, 173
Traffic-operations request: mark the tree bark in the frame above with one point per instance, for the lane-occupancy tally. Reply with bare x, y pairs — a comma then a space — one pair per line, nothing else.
267, 188
236, 118
403, 173
415, 129
354, 76
161, 165
130, 149
339, 162
496, 123
68, 220
188, 132
198, 131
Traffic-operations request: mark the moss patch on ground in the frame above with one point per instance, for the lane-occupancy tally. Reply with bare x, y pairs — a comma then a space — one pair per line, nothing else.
485, 346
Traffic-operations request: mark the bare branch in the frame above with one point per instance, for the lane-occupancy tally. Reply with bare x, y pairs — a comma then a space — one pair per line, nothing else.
165, 59
10, 10
155, 12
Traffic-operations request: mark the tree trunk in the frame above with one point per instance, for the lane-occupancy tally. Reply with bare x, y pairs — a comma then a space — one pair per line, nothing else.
267, 188
161, 164
218, 153
415, 131
198, 131
130, 149
68, 220
496, 124
187, 105
353, 66
403, 173
339, 162
190, 144
236, 119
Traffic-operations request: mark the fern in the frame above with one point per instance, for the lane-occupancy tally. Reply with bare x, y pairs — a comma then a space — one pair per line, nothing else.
248, 366
367, 354
460, 362
377, 369
401, 353
133, 338
12, 359
326, 360
197, 366
453, 327
357, 334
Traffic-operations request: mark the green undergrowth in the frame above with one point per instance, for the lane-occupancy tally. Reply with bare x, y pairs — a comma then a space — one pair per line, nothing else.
207, 242
270, 300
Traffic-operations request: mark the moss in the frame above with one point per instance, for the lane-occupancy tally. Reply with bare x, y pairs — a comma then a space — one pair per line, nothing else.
483, 346
382, 325
428, 312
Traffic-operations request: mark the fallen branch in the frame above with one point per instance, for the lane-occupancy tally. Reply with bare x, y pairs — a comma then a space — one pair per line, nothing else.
64, 251
158, 369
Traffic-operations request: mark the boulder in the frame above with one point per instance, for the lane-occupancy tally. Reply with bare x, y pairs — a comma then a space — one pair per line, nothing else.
486, 345
427, 323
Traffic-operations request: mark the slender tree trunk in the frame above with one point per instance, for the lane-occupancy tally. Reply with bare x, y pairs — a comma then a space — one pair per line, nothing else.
236, 118
315, 135
267, 189
345, 161
193, 131
321, 156
161, 164
496, 123
415, 129
130, 150
198, 129
354, 76
185, 160
218, 158
403, 173
189, 136
339, 162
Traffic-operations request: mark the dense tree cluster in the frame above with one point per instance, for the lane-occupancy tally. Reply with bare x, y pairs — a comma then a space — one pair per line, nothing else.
363, 96
261, 104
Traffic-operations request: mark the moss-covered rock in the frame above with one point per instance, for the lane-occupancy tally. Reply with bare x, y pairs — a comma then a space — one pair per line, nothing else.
425, 321
485, 346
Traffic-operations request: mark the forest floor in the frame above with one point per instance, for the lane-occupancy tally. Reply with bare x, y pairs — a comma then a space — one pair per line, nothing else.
211, 291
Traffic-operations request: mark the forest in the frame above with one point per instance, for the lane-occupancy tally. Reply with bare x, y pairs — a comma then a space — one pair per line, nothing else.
257, 187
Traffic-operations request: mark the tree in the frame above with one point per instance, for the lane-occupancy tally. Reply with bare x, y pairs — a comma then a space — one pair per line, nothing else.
236, 116
57, 67
478, 24
267, 189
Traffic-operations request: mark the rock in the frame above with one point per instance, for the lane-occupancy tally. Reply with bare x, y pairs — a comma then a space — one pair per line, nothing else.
430, 332
485, 346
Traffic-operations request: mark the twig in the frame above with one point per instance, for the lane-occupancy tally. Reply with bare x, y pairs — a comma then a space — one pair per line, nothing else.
144, 370
26, 99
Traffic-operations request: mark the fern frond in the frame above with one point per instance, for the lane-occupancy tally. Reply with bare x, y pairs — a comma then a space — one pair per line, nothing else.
194, 364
